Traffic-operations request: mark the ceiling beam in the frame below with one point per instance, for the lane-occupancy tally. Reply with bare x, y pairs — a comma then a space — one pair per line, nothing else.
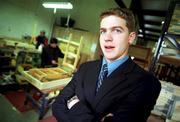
153, 30
120, 3
154, 12
149, 39
136, 7
152, 22
152, 35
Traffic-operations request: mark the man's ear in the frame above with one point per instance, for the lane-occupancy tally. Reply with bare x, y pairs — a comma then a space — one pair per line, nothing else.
132, 37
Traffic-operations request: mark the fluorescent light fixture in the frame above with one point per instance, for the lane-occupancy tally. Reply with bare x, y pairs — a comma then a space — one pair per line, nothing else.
140, 35
60, 5
162, 22
140, 30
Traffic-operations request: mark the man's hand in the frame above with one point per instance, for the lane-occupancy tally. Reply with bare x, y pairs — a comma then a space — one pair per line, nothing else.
54, 62
108, 115
71, 102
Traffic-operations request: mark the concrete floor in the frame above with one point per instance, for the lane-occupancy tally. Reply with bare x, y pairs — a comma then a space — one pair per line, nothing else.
8, 113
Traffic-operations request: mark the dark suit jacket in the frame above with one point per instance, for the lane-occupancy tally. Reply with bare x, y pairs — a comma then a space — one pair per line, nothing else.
129, 93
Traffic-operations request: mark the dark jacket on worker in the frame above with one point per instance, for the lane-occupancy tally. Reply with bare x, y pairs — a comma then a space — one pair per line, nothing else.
49, 54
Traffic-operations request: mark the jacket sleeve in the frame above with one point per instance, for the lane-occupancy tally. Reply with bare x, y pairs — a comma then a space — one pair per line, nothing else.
137, 106
60, 54
78, 113
43, 57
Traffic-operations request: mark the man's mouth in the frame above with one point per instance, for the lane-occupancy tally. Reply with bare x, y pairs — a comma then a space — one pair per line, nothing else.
109, 48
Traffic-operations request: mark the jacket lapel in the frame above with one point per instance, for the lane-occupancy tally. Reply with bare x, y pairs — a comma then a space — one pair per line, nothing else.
117, 77
108, 85
91, 80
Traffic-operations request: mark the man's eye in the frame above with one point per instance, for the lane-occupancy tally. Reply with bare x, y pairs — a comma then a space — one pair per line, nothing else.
102, 32
118, 30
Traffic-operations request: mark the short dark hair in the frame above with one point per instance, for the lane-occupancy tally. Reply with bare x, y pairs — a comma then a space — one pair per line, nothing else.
123, 13
53, 41
43, 32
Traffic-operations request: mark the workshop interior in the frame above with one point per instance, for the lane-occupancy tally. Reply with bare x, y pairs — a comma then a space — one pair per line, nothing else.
28, 90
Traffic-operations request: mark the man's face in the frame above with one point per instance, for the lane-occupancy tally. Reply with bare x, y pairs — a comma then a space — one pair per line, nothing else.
42, 33
115, 37
53, 45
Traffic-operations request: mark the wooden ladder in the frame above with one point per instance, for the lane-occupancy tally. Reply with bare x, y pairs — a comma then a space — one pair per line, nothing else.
71, 58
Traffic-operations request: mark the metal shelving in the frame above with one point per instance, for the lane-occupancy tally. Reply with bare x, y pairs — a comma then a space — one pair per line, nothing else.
165, 64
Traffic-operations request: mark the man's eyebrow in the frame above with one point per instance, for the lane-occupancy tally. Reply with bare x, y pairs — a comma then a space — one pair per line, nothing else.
102, 28
114, 27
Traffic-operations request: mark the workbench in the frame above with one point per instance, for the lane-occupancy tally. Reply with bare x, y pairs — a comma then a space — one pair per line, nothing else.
42, 93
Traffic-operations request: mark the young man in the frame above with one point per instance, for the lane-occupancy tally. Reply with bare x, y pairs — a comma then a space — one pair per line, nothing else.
126, 94
50, 54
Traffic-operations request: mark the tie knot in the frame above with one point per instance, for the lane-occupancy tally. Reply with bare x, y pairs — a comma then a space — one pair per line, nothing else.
104, 66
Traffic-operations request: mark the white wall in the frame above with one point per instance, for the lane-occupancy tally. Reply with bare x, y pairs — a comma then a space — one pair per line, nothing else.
86, 13
20, 17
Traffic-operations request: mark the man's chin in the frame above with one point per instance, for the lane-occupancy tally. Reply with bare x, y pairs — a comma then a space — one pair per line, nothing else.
109, 58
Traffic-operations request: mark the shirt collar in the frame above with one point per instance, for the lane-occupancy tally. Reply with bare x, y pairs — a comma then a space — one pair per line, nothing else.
115, 64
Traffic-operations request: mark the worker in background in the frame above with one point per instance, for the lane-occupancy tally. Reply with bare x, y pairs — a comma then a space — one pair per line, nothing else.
50, 54
41, 40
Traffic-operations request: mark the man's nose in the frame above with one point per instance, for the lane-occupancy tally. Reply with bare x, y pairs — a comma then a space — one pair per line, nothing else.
108, 36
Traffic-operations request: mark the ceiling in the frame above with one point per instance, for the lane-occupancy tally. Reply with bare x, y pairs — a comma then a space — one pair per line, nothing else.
150, 16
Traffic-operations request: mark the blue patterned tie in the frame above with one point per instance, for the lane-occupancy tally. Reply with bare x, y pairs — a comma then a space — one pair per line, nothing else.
102, 76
